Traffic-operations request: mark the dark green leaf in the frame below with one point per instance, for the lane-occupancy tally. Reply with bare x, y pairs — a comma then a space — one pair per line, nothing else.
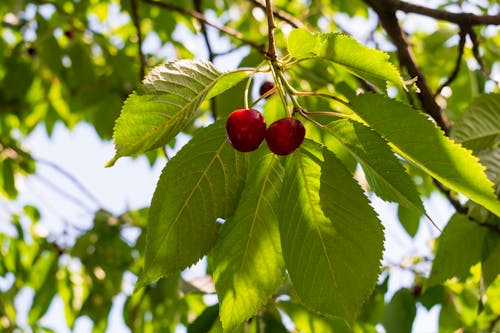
400, 312
459, 247
409, 219
204, 322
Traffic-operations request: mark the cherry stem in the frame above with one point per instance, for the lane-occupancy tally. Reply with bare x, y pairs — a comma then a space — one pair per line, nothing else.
265, 95
305, 114
328, 113
318, 94
249, 81
279, 87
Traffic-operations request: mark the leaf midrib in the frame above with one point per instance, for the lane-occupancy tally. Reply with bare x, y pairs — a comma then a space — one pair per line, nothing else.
195, 188
180, 112
316, 225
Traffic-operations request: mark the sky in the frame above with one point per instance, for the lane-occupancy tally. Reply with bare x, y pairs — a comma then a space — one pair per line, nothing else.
131, 183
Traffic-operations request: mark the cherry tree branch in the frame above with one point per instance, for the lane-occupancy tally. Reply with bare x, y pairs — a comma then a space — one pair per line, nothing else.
453, 75
457, 18
194, 14
211, 55
137, 24
271, 24
282, 15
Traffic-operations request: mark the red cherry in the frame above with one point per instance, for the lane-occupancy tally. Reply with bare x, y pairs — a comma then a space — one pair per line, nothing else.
246, 129
265, 87
285, 135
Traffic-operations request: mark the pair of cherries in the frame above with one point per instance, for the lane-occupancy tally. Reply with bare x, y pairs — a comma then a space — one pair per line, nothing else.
246, 129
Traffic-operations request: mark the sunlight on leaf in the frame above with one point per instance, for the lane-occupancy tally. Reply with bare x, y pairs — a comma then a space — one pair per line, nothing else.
431, 150
165, 103
201, 183
248, 262
331, 238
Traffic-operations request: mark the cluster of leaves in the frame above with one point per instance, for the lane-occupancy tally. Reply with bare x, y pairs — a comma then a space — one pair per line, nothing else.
280, 213
293, 235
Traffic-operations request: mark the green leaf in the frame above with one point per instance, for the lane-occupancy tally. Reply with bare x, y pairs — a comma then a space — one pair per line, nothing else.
331, 238
479, 126
45, 286
491, 258
384, 173
302, 43
201, 183
459, 247
249, 265
226, 81
309, 322
409, 219
7, 179
431, 150
400, 312
490, 158
367, 63
165, 103
204, 322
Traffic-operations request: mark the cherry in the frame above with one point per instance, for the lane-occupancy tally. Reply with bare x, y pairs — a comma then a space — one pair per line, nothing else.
246, 129
70, 33
285, 135
265, 87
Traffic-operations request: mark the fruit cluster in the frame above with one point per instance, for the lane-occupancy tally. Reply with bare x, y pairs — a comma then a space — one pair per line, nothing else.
246, 129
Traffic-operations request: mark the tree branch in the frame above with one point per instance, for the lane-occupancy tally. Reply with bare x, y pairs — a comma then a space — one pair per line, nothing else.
453, 75
227, 30
386, 10
271, 24
282, 15
137, 24
211, 55
458, 18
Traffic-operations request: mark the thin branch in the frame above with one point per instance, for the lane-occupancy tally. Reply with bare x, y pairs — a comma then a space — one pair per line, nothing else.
71, 178
475, 51
137, 23
281, 14
271, 25
386, 11
458, 18
211, 55
227, 30
64, 194
453, 75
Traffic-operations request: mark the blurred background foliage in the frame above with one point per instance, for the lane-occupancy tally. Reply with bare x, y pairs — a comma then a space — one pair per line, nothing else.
68, 62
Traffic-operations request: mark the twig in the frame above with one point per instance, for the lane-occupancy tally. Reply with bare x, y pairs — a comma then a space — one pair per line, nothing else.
282, 15
271, 25
453, 75
65, 194
211, 55
475, 51
227, 30
137, 23
458, 18
70, 177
